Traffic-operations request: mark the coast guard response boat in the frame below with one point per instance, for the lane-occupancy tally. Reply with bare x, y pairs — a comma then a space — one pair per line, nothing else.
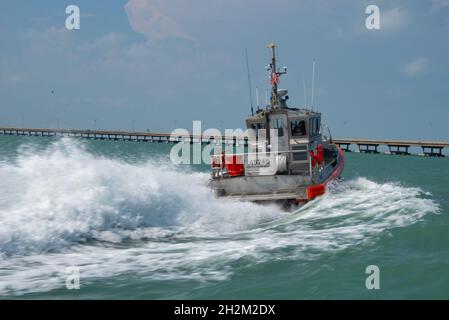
288, 159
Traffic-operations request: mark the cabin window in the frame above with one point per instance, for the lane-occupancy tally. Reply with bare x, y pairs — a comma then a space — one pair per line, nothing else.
299, 153
314, 126
311, 127
279, 125
298, 128
256, 127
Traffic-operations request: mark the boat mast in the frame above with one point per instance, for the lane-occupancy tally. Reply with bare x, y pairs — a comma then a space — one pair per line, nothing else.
274, 76
249, 82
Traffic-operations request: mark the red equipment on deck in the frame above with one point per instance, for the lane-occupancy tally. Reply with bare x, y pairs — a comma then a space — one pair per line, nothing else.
234, 165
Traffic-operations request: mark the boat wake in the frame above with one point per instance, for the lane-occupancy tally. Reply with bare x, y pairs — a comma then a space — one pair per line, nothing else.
64, 206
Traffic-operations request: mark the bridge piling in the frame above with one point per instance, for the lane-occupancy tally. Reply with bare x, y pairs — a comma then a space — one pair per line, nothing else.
345, 147
430, 151
399, 149
367, 148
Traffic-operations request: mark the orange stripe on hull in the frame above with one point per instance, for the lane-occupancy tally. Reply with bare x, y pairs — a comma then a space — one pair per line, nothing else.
320, 189
315, 191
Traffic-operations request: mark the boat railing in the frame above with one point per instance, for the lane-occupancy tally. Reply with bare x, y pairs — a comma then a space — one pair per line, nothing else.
256, 163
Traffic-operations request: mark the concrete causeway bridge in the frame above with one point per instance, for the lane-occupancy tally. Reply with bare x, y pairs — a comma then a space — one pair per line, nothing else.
399, 147
118, 135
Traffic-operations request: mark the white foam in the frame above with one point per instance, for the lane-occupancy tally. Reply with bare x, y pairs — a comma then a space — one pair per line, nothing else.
64, 206
53, 199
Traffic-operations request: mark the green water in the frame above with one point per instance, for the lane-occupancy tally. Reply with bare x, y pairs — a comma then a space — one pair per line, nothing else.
139, 227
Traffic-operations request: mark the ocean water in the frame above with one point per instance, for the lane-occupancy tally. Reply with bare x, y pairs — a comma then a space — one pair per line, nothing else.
139, 227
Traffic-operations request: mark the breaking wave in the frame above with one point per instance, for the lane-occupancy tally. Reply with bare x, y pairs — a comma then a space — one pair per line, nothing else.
64, 206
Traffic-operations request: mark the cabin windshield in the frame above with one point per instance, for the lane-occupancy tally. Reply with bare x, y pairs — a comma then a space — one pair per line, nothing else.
279, 125
256, 127
298, 128
314, 126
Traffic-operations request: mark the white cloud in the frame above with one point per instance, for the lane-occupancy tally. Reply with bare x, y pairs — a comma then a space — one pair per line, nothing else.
149, 18
51, 37
13, 78
415, 67
394, 19
106, 41
438, 4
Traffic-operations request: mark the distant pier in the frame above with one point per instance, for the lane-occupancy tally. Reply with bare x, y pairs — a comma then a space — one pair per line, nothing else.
398, 147
120, 135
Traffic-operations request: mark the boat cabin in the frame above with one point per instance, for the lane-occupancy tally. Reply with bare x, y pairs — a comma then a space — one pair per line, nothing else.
298, 131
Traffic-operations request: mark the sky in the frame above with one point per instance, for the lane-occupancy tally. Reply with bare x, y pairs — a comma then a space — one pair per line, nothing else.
161, 64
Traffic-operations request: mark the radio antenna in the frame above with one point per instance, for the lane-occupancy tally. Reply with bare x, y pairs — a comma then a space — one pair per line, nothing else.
305, 92
257, 98
249, 82
313, 83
